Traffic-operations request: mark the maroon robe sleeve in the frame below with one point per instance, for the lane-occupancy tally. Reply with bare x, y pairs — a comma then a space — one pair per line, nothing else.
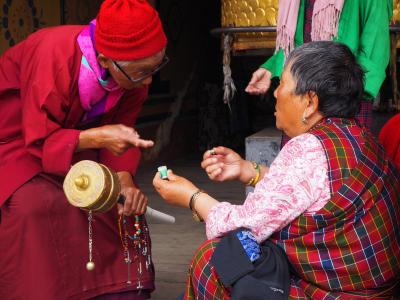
46, 82
126, 114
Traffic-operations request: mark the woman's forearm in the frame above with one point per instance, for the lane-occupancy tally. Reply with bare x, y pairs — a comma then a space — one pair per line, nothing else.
204, 203
249, 171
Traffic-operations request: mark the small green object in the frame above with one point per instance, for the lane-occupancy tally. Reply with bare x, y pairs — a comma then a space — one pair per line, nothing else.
163, 172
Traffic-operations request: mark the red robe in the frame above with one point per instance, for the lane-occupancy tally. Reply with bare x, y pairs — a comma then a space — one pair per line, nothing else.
389, 136
44, 240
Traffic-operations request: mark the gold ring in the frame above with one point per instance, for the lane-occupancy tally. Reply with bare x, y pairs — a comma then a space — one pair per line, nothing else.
212, 152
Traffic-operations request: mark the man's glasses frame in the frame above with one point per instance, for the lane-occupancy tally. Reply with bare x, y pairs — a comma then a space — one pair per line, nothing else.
164, 61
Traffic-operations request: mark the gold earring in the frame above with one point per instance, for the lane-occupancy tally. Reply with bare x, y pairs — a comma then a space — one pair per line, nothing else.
304, 119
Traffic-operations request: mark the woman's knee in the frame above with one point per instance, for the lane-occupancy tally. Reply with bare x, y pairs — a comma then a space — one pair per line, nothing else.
203, 254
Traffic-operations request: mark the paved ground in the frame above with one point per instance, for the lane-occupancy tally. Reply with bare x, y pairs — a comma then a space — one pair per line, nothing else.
174, 245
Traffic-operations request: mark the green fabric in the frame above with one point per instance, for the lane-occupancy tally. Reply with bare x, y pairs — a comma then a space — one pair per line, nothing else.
364, 28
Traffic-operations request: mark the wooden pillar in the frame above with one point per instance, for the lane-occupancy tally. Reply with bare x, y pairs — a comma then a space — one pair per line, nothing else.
394, 38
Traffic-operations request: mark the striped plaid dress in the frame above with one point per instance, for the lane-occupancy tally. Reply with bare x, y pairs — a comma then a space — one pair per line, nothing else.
350, 249
352, 244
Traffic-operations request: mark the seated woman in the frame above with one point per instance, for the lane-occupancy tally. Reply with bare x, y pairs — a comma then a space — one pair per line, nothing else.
330, 199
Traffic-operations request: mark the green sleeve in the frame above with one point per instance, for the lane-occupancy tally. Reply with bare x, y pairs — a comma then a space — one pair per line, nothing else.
275, 64
374, 46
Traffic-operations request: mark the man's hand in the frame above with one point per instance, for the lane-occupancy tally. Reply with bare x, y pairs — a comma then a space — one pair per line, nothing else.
135, 200
117, 138
260, 82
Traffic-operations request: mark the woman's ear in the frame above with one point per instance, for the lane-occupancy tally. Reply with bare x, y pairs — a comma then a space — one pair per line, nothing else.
103, 61
312, 104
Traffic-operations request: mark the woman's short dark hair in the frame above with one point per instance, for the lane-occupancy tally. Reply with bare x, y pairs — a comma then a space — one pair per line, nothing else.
330, 70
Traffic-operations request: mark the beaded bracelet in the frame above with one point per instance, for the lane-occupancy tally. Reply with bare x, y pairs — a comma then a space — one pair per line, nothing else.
253, 181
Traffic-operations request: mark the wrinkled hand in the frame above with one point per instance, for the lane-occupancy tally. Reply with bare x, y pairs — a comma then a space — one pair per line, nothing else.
117, 138
175, 191
135, 200
260, 82
224, 164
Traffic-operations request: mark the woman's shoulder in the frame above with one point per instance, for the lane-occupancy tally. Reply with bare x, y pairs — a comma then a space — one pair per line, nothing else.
303, 143
302, 151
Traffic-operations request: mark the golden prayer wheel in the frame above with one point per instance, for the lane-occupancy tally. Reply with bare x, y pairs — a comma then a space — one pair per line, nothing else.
243, 13
96, 188
396, 12
92, 186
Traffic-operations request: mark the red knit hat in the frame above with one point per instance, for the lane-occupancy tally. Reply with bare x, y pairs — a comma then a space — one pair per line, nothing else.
128, 30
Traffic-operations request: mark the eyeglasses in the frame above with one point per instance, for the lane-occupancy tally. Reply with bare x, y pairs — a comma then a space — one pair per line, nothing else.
164, 61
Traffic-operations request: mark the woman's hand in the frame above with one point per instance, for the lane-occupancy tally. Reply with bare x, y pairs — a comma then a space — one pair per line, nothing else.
260, 82
117, 138
135, 201
176, 190
222, 164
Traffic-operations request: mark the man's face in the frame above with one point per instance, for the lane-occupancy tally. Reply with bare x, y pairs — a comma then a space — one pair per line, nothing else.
136, 73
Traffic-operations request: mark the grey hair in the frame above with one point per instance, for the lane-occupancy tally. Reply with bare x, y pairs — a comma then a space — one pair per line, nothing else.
330, 70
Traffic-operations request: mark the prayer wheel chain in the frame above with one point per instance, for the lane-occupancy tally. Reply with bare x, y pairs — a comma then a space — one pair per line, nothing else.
90, 265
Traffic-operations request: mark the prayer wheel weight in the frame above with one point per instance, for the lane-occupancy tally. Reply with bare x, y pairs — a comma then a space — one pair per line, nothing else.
92, 186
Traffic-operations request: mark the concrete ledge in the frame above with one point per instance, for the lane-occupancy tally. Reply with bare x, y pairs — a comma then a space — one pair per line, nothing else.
263, 147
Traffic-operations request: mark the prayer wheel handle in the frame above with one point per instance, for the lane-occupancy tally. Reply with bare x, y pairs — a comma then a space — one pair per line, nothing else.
96, 188
152, 213
121, 199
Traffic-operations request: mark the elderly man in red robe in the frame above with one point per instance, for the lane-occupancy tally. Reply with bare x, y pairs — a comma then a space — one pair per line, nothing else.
70, 93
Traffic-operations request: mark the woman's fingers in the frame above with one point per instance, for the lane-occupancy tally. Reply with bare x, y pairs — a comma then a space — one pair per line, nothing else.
260, 82
212, 152
255, 78
209, 162
213, 168
207, 154
157, 181
213, 175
